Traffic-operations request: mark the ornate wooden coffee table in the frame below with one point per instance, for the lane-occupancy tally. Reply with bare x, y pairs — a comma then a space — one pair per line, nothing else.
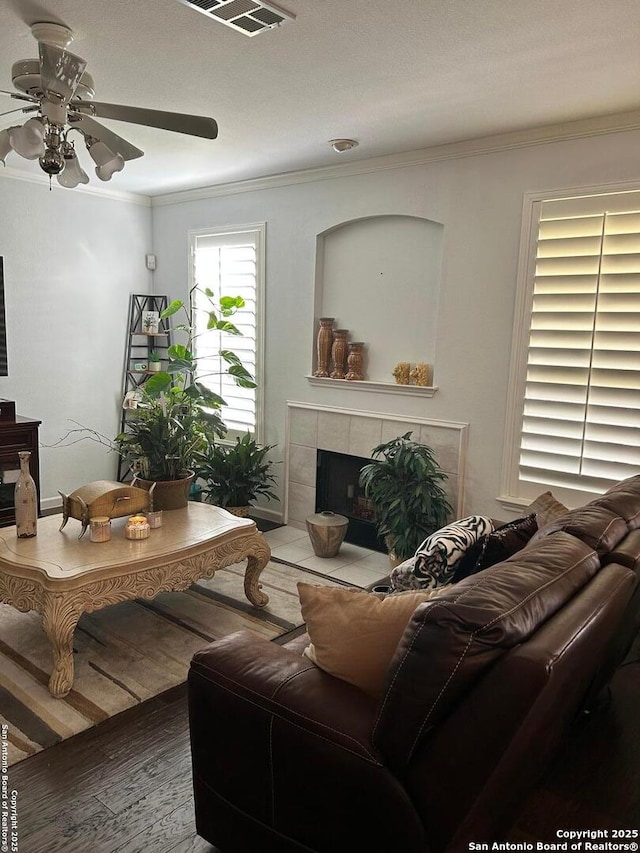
62, 576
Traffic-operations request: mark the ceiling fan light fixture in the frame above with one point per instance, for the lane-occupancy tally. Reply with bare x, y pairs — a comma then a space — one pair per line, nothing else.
106, 161
60, 92
340, 145
5, 145
28, 140
73, 173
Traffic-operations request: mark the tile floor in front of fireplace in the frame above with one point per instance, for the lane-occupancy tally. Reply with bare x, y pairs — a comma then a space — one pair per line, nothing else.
353, 564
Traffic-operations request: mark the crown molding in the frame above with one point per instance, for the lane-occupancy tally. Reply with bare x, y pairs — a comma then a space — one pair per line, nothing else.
43, 180
582, 128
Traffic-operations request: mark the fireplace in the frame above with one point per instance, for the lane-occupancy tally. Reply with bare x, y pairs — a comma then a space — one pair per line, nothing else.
354, 433
337, 490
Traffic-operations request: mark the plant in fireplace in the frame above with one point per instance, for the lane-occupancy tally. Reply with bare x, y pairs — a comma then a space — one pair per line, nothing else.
405, 487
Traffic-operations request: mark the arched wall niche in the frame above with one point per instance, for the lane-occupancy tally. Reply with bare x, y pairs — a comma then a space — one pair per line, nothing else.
379, 276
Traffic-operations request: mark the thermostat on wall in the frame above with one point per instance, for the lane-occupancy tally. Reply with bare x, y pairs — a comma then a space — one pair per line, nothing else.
151, 261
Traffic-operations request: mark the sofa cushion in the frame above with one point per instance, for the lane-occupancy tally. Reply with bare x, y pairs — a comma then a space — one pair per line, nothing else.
451, 640
623, 499
353, 633
438, 555
505, 541
546, 508
596, 526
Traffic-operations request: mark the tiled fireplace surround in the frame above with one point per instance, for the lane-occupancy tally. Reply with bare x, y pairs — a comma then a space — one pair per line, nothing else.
311, 428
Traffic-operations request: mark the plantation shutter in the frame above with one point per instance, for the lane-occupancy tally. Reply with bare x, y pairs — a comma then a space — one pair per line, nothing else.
227, 265
580, 425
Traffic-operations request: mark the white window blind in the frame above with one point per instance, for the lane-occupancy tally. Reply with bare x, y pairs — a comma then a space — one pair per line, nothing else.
580, 426
230, 263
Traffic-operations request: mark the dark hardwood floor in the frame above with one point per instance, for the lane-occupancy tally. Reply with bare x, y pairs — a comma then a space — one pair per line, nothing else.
125, 786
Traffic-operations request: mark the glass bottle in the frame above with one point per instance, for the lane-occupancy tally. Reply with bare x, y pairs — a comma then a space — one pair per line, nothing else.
26, 499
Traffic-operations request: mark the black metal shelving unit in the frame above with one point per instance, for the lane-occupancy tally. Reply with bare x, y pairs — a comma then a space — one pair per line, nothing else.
140, 345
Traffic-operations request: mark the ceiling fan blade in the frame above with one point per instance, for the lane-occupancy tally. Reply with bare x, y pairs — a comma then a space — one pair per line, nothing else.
178, 122
20, 110
19, 97
116, 143
60, 71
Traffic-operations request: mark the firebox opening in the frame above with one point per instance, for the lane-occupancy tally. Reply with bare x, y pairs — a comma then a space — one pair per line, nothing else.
337, 490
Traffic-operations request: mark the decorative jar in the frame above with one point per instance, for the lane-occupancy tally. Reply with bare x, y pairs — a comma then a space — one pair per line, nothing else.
100, 528
137, 527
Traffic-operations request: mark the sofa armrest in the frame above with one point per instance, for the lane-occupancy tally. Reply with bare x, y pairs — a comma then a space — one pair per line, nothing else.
275, 680
279, 748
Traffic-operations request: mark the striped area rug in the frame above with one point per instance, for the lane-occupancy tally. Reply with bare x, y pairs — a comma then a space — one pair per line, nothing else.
130, 652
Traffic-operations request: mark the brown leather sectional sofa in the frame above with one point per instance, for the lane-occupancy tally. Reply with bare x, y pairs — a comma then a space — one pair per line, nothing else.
483, 686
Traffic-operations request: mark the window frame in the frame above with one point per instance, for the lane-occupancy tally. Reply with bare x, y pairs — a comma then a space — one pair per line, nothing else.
514, 493
259, 230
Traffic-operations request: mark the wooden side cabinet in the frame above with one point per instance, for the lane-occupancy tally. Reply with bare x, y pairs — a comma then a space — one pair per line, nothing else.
21, 434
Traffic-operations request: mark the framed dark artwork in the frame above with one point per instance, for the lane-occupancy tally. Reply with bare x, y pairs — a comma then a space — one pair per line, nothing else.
4, 367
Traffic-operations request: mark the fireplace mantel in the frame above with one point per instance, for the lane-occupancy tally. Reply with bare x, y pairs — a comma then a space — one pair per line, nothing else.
371, 385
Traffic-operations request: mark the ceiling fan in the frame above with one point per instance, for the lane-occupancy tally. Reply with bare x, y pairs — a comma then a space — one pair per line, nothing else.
60, 93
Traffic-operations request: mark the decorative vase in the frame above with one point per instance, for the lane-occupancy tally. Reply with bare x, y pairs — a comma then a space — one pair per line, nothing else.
26, 499
326, 531
355, 361
339, 353
324, 344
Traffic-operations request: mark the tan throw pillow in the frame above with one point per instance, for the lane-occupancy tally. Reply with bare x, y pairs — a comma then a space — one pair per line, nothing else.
354, 633
546, 508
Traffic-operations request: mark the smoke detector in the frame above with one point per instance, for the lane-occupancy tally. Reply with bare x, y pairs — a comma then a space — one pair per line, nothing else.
250, 17
341, 145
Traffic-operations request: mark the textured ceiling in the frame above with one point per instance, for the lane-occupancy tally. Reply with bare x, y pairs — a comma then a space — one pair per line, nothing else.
397, 75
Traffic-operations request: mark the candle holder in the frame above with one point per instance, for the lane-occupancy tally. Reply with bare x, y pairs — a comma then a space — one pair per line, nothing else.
355, 361
137, 527
324, 344
100, 528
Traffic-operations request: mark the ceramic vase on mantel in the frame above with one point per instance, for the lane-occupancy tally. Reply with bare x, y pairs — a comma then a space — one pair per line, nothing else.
26, 499
355, 361
324, 344
339, 353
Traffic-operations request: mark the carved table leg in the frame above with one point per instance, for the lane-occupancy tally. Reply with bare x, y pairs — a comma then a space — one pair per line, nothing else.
59, 619
258, 555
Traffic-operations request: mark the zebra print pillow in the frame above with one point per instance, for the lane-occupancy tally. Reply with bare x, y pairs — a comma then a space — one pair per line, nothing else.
436, 559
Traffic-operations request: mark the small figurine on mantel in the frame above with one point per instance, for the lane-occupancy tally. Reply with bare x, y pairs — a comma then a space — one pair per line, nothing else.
401, 372
421, 374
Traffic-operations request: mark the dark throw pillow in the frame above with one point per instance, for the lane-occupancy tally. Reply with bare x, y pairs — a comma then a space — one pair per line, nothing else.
497, 546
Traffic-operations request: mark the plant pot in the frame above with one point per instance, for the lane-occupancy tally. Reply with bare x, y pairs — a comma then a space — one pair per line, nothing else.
154, 366
168, 494
240, 511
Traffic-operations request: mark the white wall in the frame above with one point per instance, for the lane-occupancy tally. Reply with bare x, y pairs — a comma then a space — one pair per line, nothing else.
70, 261
479, 201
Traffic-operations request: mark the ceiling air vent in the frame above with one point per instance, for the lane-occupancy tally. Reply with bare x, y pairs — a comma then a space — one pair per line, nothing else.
250, 17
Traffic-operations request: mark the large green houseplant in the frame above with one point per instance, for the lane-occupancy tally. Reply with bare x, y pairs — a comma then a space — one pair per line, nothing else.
176, 416
236, 474
404, 485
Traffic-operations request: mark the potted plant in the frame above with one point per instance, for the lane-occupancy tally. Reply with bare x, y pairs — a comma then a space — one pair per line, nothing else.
176, 415
236, 474
404, 485
155, 364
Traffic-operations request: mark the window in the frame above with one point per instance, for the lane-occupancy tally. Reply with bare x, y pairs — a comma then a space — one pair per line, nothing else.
230, 262
575, 381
